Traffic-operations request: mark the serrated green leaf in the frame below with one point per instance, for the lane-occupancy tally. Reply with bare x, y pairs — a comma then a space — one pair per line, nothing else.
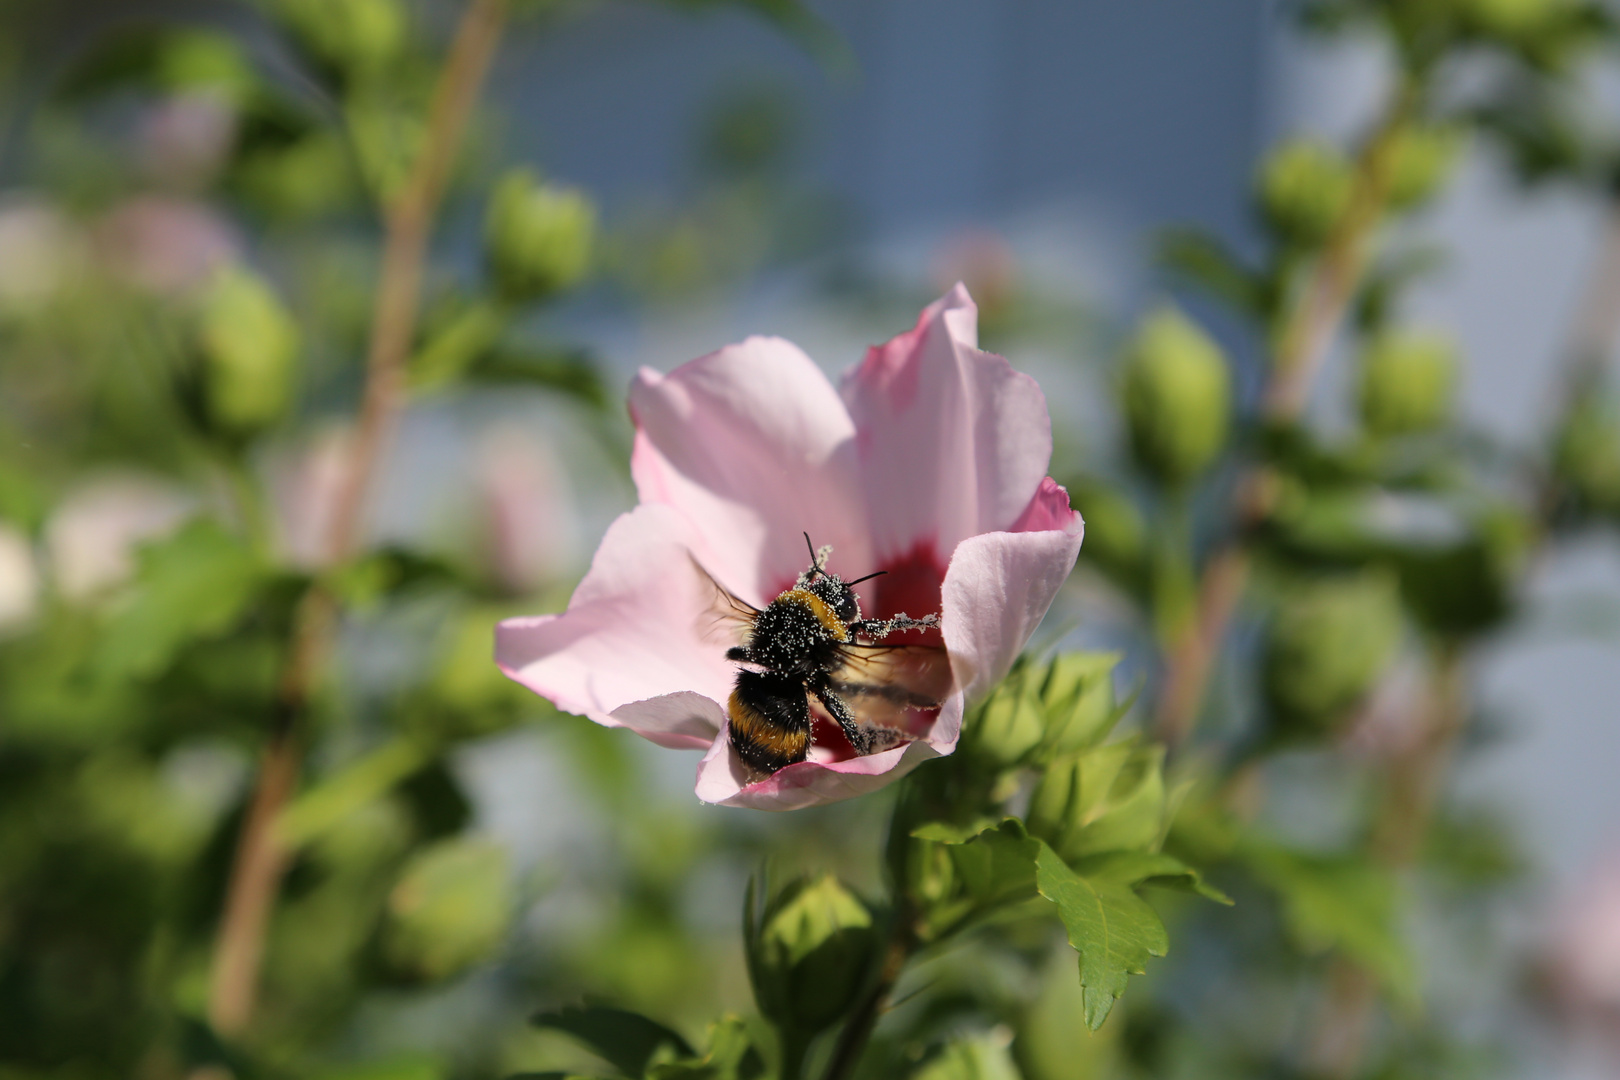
627, 1040
1137, 868
1113, 930
194, 584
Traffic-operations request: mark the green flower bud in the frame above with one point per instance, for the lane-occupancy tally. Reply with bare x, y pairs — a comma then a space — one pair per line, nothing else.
1305, 189
1010, 724
1053, 708
1107, 799
982, 1058
537, 237
450, 908
1507, 19
249, 348
1078, 697
1587, 453
1407, 382
1327, 644
1421, 161
356, 36
206, 60
1177, 394
810, 953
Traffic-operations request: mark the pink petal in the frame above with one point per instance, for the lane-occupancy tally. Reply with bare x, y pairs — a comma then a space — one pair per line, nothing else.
951, 441
811, 783
996, 592
636, 647
754, 447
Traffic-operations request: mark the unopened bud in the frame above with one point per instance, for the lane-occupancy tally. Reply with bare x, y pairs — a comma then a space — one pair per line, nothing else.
1078, 696
538, 237
984, 1057
1010, 724
450, 909
810, 954
1327, 644
1177, 394
1305, 189
1508, 19
1107, 799
1421, 160
1407, 382
1587, 453
354, 36
249, 348
206, 61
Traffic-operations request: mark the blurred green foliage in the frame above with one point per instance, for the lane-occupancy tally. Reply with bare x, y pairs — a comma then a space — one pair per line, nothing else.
200, 246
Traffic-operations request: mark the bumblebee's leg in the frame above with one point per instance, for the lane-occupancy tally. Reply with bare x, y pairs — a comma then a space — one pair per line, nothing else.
878, 629
858, 737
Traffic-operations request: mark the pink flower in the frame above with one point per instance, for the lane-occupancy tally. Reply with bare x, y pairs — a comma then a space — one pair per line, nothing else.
929, 463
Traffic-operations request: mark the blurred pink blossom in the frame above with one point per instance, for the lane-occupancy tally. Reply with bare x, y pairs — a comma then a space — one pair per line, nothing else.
183, 141
305, 485
19, 577
529, 509
929, 463
1582, 958
92, 534
164, 244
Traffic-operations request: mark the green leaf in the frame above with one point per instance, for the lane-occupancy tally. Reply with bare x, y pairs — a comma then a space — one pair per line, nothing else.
450, 908
1206, 261
570, 372
192, 585
628, 1040
458, 343
407, 1068
1113, 930
1343, 903
1138, 868
731, 1056
349, 789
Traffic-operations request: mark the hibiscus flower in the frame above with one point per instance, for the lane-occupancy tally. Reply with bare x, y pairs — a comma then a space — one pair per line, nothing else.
928, 463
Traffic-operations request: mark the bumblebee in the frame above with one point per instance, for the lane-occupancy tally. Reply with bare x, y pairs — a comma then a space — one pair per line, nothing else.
810, 647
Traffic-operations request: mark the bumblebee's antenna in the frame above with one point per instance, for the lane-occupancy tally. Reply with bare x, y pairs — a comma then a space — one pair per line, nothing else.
815, 560
868, 577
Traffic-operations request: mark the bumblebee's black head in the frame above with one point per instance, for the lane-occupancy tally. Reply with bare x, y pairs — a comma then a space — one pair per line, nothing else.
837, 593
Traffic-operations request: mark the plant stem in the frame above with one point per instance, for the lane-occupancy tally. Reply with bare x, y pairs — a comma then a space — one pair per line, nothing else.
260, 857
858, 1031
1399, 832
1306, 333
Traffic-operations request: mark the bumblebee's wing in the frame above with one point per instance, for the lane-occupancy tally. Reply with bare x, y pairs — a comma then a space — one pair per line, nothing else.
724, 618
886, 686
